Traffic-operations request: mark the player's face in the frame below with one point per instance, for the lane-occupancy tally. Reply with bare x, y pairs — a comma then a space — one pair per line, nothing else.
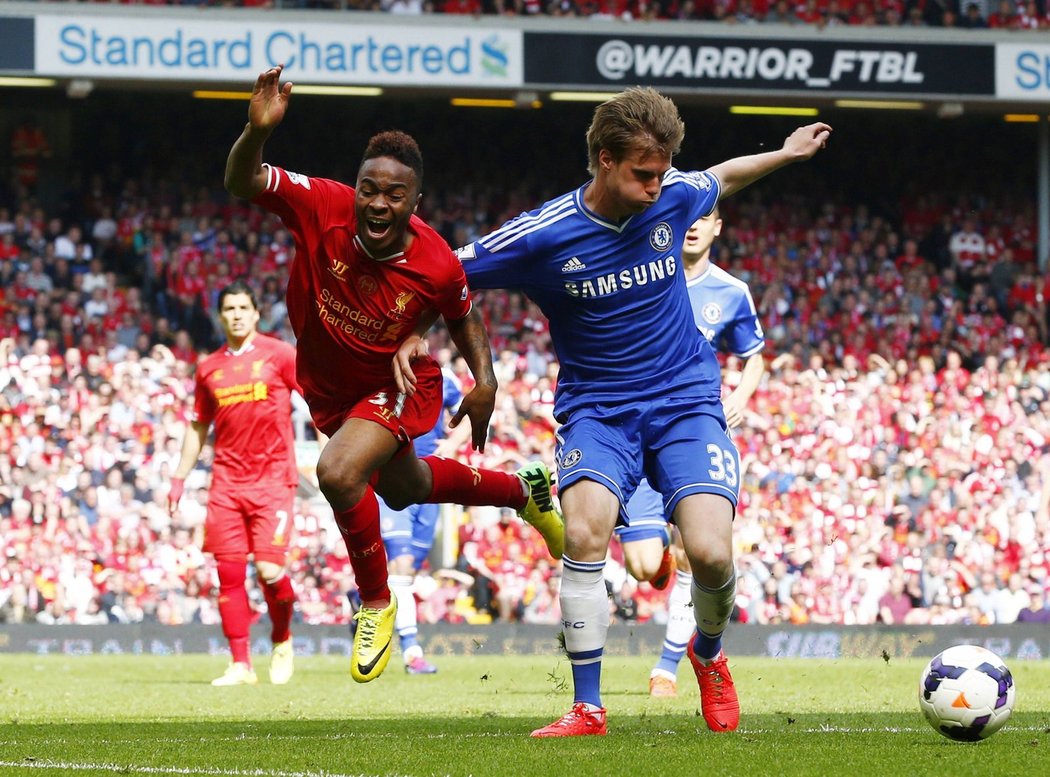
701, 235
387, 195
238, 316
634, 182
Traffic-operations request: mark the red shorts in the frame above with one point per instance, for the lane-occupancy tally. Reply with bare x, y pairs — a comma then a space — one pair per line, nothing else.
254, 521
405, 417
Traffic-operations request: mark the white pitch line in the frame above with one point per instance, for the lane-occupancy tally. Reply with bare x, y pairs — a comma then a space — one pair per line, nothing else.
215, 772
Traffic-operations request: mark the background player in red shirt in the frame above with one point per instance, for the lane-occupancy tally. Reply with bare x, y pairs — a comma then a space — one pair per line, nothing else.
367, 272
244, 388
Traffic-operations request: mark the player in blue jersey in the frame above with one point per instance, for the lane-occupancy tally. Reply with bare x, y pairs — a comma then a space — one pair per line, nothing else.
724, 311
409, 535
639, 388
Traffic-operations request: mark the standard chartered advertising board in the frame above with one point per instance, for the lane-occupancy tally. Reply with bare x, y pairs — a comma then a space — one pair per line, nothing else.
93, 46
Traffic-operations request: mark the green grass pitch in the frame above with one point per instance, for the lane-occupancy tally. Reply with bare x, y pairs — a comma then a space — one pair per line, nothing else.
158, 715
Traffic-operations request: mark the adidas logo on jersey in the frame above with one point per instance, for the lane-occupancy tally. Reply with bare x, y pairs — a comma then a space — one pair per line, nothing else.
573, 265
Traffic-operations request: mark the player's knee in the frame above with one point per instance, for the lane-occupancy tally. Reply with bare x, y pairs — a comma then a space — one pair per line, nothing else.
268, 571
641, 565
342, 486
582, 544
634, 570
403, 566
712, 563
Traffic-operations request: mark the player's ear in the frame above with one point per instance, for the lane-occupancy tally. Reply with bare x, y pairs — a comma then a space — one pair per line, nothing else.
419, 199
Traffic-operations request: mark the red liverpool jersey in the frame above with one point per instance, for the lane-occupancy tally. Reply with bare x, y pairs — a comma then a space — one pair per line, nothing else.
247, 396
349, 311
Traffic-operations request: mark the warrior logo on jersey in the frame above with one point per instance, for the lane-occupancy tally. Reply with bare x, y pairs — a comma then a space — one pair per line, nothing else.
367, 284
661, 237
711, 312
338, 269
299, 180
572, 458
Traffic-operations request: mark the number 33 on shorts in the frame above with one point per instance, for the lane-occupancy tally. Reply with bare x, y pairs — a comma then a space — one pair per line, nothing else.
724, 465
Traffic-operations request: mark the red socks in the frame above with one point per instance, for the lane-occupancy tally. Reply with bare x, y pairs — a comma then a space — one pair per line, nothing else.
459, 484
453, 483
280, 601
359, 526
234, 608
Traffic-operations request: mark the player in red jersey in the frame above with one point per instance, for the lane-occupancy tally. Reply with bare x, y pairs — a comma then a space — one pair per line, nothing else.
244, 389
367, 271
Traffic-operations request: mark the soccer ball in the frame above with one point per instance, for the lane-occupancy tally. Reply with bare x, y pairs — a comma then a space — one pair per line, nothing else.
966, 693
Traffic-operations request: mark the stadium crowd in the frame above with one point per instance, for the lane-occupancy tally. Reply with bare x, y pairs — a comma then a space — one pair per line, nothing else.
963, 14
895, 455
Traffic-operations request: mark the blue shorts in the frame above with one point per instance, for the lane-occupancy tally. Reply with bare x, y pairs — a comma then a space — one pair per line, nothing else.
408, 532
679, 444
643, 517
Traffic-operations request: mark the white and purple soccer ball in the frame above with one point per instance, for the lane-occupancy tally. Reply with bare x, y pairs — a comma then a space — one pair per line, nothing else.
967, 693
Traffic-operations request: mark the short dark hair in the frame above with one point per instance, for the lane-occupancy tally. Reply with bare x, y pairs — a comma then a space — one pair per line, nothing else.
239, 286
397, 145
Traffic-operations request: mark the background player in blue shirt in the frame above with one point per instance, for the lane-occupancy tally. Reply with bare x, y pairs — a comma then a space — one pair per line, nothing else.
639, 387
725, 314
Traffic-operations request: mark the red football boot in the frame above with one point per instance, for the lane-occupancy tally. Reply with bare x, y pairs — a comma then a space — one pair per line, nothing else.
577, 723
718, 700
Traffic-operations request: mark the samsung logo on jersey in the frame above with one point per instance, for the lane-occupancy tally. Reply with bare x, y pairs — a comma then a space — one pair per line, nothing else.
639, 275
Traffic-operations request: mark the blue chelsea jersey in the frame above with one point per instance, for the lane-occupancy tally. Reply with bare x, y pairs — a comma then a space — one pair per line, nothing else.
614, 294
725, 313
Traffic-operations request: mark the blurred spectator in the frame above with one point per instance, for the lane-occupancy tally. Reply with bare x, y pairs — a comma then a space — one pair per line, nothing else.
986, 597
1004, 16
972, 18
1037, 611
29, 147
895, 604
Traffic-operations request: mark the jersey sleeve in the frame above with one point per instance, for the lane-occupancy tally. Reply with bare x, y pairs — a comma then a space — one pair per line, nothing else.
744, 336
500, 259
455, 303
703, 190
302, 202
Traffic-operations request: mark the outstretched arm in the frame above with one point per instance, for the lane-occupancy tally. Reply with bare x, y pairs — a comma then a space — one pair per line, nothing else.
470, 337
741, 171
245, 176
